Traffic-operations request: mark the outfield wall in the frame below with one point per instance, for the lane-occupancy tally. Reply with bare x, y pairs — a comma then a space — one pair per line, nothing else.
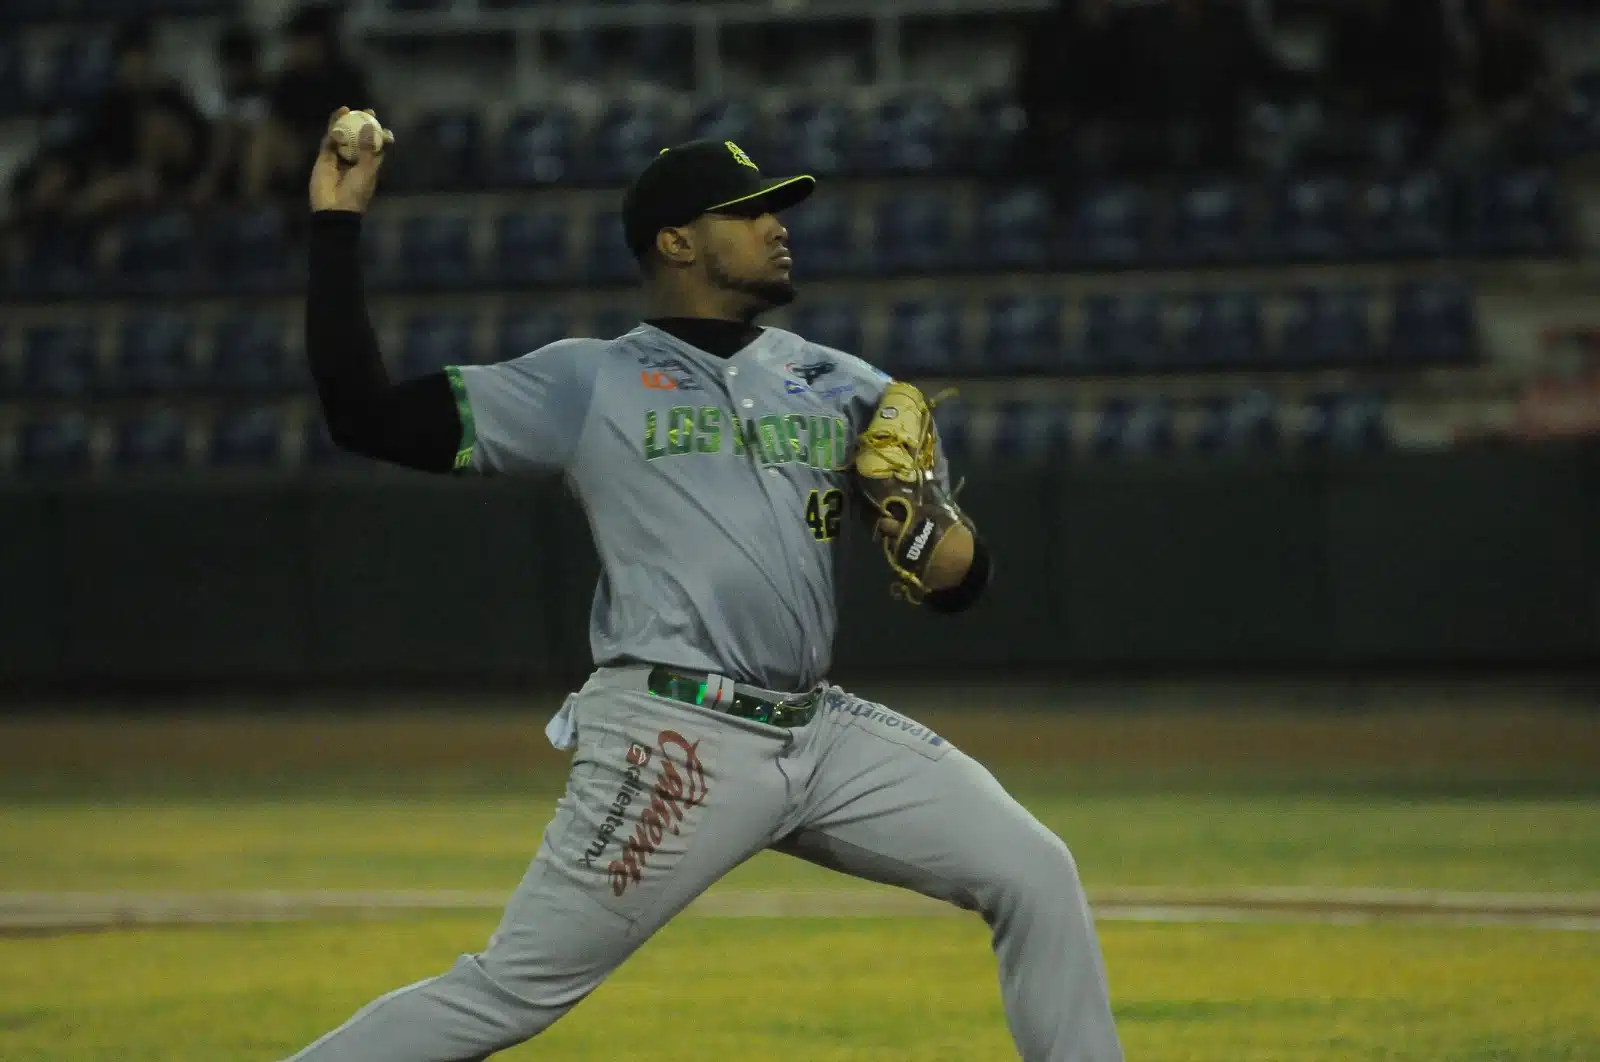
1464, 559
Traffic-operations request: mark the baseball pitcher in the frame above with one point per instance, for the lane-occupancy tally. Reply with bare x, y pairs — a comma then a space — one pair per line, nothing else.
715, 460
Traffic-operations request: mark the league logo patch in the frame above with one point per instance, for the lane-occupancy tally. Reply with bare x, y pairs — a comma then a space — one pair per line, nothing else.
810, 373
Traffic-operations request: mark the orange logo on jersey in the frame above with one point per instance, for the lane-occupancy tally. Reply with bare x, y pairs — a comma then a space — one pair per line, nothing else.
657, 381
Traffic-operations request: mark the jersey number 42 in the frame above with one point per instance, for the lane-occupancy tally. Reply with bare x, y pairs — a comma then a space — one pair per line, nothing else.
823, 509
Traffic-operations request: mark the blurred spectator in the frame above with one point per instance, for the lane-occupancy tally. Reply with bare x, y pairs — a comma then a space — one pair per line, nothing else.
1511, 96
1073, 62
317, 78
1389, 66
237, 114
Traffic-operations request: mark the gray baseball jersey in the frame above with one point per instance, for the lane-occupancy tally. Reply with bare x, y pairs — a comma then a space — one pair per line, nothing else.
714, 487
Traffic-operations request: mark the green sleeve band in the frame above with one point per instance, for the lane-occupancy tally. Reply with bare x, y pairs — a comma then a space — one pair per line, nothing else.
469, 430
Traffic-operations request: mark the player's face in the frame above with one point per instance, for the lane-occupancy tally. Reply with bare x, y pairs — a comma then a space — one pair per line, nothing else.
749, 256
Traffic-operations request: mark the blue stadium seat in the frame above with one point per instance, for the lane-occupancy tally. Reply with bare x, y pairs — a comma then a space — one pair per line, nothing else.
157, 441
953, 423
436, 252
1345, 423
996, 123
1022, 334
444, 151
537, 148
1432, 321
832, 324
1210, 225
247, 438
249, 250
534, 246
1518, 213
153, 355
58, 361
1013, 229
1407, 218
158, 252
822, 237
1133, 427
1032, 431
1220, 329
57, 262
913, 232
1311, 220
1109, 226
909, 135
249, 356
607, 258
733, 120
1580, 114
433, 340
1328, 326
1237, 423
624, 140
525, 331
55, 446
1123, 332
815, 138
614, 321
924, 338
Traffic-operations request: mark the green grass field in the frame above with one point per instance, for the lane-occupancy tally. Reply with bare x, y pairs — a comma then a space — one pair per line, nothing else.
198, 808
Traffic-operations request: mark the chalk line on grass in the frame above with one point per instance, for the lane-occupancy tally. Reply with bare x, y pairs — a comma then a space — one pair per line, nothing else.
45, 912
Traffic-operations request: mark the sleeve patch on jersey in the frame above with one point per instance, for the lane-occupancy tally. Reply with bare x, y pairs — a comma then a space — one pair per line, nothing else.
469, 431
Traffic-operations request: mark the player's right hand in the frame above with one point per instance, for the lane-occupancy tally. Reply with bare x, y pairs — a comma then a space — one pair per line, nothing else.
340, 185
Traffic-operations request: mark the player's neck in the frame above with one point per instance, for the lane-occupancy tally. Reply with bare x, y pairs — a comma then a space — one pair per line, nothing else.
701, 304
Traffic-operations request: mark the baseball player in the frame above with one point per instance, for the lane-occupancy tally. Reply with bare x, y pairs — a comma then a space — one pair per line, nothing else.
715, 459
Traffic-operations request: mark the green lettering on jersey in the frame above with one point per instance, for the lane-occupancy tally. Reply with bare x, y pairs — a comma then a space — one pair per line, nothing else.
773, 449
652, 449
709, 438
680, 430
841, 443
795, 428
821, 443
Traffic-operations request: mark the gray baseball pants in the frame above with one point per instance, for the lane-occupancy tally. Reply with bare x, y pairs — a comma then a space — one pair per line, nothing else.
664, 798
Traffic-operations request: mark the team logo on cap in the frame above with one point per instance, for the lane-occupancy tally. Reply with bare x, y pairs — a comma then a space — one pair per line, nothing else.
739, 156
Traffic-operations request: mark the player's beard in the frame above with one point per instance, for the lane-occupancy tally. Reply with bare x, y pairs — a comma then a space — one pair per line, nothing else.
764, 294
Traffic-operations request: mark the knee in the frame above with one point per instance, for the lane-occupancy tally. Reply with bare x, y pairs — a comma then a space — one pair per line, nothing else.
1043, 878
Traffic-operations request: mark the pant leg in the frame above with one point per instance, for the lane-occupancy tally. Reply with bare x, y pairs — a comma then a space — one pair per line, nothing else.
888, 800
662, 800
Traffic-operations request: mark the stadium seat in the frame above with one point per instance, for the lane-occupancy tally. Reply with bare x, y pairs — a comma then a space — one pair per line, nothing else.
158, 441
1219, 329
537, 148
624, 140
913, 232
1328, 326
248, 438
1407, 218
153, 355
924, 338
832, 324
1518, 214
157, 253
435, 252
815, 138
534, 246
822, 237
733, 120
525, 331
1128, 427
1344, 423
55, 446
57, 262
58, 361
996, 123
1238, 423
1109, 226
249, 250
443, 152
953, 423
1022, 335
910, 135
1432, 321
1032, 431
249, 355
1013, 229
607, 258
1210, 225
1123, 332
433, 340
1311, 220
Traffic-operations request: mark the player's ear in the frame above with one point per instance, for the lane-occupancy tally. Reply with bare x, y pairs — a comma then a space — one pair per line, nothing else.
675, 246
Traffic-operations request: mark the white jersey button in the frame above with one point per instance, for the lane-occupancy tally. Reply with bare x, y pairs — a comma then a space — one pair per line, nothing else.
733, 370
747, 403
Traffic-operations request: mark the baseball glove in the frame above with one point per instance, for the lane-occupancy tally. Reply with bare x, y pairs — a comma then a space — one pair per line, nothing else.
894, 474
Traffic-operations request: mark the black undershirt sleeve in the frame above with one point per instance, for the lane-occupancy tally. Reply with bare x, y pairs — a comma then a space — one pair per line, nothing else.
966, 593
413, 423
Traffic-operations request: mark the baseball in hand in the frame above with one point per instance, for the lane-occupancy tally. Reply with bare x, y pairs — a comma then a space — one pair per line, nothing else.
354, 131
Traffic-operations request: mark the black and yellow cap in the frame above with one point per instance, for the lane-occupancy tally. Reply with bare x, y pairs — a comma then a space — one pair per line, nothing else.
702, 177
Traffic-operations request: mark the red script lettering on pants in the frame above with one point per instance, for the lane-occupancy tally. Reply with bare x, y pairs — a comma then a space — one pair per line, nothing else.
680, 787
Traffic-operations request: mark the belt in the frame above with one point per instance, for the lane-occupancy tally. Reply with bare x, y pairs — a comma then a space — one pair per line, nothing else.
720, 695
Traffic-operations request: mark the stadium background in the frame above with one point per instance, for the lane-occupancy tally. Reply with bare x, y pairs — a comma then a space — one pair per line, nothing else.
1279, 369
